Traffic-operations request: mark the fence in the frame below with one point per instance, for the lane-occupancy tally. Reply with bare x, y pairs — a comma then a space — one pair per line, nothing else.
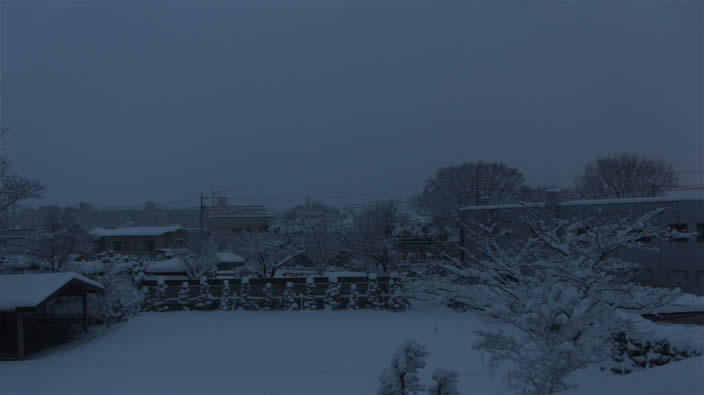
274, 294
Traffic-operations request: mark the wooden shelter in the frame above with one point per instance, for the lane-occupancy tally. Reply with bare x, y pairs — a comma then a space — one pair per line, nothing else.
23, 294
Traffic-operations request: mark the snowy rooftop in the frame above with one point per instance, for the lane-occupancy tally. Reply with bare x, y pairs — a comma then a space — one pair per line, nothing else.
228, 257
502, 206
137, 231
594, 202
18, 291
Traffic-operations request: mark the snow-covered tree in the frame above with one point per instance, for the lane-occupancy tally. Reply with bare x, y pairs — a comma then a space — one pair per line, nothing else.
120, 298
318, 229
268, 294
560, 287
353, 298
138, 271
266, 252
199, 256
226, 296
62, 236
204, 299
184, 296
332, 293
288, 298
445, 383
309, 298
401, 376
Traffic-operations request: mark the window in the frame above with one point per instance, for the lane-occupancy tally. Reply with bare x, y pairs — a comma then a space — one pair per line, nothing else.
679, 277
180, 243
117, 245
700, 233
677, 233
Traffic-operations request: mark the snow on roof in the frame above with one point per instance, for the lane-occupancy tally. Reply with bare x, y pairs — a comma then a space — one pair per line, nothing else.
29, 290
87, 267
502, 206
228, 257
591, 202
137, 231
662, 199
173, 265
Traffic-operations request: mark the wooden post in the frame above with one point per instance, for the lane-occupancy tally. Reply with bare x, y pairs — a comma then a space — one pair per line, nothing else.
20, 336
85, 312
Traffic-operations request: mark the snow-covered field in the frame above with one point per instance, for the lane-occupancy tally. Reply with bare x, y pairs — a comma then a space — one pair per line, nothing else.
252, 353
277, 353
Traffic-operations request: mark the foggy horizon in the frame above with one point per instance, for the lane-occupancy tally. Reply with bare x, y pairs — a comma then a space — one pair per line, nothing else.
118, 104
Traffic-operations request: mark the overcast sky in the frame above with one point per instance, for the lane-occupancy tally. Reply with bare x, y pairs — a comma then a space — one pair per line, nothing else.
121, 103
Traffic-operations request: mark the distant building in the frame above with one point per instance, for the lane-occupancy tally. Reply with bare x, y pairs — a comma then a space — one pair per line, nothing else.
139, 240
677, 262
239, 218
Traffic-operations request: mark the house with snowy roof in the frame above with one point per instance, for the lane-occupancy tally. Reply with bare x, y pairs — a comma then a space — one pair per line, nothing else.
677, 261
139, 240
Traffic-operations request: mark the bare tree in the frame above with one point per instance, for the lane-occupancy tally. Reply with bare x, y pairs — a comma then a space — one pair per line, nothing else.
469, 184
266, 252
371, 235
63, 236
199, 255
13, 189
319, 229
624, 176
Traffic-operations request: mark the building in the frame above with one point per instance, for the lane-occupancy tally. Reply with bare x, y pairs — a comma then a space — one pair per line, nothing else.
139, 240
675, 262
224, 218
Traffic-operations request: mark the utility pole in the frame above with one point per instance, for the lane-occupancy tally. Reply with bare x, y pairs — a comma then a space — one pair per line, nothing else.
202, 212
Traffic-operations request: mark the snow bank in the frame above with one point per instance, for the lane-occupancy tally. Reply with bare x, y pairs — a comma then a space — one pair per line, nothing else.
29, 290
676, 378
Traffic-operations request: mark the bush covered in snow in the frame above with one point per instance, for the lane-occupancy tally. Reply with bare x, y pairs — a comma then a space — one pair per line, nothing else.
375, 298
353, 298
226, 297
309, 298
268, 294
332, 293
288, 299
161, 303
401, 376
445, 383
184, 296
204, 300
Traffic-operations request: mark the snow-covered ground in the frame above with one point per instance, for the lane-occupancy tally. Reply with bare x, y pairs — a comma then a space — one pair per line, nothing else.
677, 378
287, 353
252, 353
